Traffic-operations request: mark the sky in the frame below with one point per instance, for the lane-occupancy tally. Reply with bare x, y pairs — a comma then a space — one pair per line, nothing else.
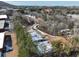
44, 3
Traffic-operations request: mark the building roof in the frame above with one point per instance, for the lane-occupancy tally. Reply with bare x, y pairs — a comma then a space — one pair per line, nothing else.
1, 39
2, 22
3, 16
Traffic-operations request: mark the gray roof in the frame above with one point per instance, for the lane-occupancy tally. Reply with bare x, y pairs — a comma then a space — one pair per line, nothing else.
2, 24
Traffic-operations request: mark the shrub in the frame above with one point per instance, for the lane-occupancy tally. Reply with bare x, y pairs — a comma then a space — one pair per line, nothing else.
24, 41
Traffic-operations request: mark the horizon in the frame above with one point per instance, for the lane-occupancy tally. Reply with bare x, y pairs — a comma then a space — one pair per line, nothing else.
44, 3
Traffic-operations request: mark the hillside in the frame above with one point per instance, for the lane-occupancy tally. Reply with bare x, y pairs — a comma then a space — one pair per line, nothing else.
4, 5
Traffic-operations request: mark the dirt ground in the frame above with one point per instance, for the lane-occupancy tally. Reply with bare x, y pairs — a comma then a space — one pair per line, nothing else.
13, 53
